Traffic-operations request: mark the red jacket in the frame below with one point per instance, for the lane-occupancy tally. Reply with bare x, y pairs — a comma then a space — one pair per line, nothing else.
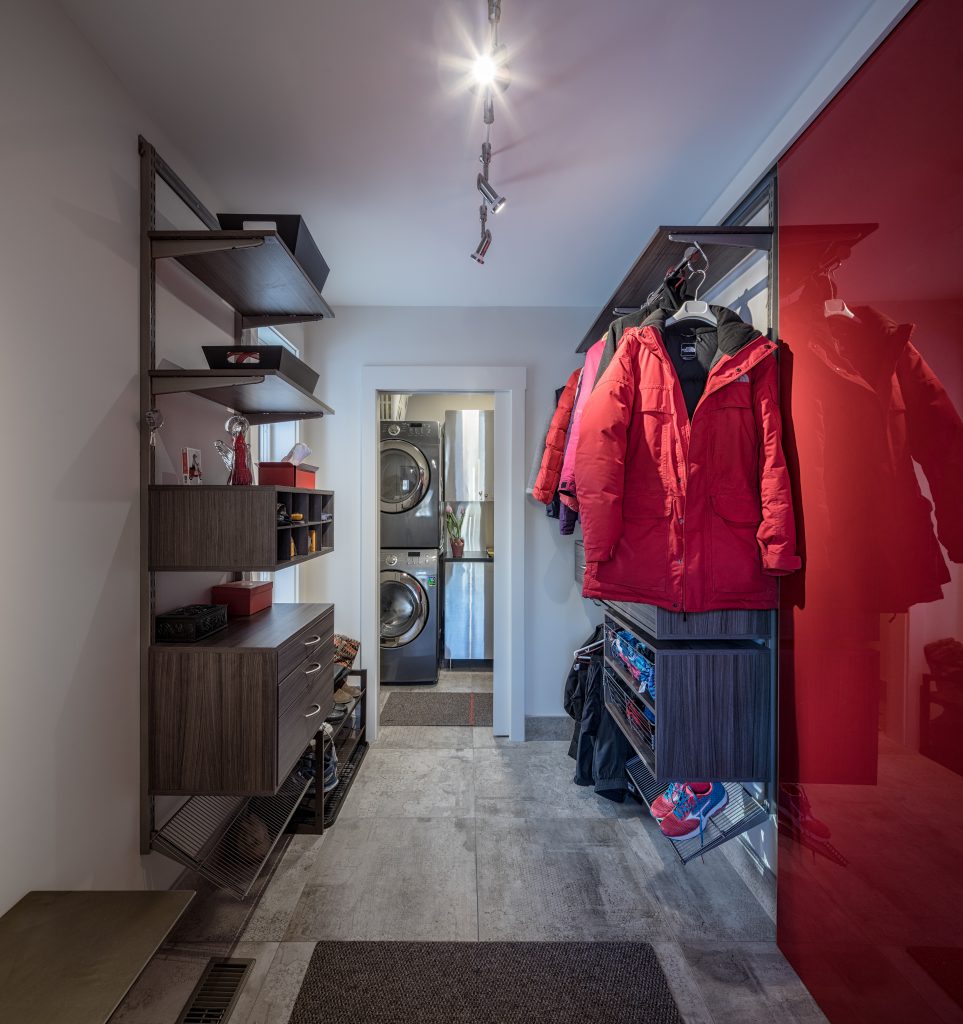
690, 517
546, 483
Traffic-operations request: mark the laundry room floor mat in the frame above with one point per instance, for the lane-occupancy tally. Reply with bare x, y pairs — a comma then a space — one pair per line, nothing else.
485, 983
437, 709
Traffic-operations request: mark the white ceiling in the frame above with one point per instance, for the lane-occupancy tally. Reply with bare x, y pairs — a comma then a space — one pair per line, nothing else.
622, 115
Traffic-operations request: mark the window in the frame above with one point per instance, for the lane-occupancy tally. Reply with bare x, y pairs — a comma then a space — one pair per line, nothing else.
275, 440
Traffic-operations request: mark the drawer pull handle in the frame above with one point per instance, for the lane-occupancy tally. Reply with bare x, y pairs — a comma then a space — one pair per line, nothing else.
312, 641
316, 711
315, 666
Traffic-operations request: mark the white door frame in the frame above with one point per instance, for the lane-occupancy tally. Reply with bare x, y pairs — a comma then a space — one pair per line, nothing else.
508, 384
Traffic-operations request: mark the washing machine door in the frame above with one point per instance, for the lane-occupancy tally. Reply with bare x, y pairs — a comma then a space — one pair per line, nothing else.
404, 608
405, 476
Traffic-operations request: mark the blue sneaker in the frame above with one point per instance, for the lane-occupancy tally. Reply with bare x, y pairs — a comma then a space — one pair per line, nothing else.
698, 802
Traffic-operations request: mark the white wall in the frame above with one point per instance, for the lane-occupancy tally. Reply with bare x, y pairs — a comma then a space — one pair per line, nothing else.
69, 697
543, 340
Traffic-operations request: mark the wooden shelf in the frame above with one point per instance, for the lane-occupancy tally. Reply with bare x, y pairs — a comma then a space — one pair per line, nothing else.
254, 272
263, 396
726, 247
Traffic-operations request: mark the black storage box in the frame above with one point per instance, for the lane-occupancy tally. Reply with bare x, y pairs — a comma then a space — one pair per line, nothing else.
264, 357
295, 235
189, 624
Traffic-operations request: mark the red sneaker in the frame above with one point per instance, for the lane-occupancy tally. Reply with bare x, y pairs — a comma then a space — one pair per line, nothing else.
664, 805
697, 804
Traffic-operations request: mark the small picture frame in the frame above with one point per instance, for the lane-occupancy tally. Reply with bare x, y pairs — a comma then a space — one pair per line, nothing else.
191, 472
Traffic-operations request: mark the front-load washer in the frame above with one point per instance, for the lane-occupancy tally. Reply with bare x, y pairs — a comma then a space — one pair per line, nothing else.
410, 484
410, 616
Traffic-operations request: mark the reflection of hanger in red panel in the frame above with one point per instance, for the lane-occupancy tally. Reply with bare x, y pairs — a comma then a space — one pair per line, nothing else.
835, 306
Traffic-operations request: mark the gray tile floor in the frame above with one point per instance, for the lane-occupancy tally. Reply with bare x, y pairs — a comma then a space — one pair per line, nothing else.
451, 834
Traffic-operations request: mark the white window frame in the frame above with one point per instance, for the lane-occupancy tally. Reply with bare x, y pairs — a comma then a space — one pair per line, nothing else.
265, 439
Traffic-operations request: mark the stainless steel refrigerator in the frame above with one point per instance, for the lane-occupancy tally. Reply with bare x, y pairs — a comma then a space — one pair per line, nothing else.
470, 486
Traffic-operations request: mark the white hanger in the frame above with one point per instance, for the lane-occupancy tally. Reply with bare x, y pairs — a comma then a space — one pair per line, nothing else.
694, 309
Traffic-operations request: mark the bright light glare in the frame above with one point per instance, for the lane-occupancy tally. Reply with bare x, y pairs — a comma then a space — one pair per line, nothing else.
484, 69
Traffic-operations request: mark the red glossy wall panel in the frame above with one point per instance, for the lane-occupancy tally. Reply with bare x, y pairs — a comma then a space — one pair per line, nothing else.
870, 907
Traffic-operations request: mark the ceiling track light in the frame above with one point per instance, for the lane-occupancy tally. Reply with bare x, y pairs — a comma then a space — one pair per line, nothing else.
491, 73
494, 200
479, 254
486, 236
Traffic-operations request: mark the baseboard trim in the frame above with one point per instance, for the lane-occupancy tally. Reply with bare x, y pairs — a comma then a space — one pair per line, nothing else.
548, 727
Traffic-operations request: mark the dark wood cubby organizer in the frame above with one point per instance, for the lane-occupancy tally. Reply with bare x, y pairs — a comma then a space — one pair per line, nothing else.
226, 722
235, 528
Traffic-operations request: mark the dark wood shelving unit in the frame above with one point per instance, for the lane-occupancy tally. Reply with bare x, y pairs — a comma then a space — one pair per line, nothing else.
254, 272
225, 722
263, 396
320, 810
219, 528
726, 247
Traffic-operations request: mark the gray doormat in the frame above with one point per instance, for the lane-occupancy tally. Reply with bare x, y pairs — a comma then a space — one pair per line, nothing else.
485, 983
437, 709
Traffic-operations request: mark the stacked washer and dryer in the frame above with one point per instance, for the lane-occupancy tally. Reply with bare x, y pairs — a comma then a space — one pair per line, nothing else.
411, 536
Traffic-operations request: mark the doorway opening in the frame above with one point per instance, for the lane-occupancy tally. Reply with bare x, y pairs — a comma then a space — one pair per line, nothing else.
437, 505
440, 438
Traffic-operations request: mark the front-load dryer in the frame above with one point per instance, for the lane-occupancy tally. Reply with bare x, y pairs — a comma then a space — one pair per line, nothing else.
410, 616
410, 484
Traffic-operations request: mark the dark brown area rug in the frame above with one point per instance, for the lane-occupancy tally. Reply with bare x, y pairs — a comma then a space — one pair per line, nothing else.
485, 983
421, 708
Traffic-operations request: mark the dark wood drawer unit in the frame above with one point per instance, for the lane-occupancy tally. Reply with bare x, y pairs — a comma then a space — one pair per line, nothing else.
710, 715
661, 624
235, 529
233, 715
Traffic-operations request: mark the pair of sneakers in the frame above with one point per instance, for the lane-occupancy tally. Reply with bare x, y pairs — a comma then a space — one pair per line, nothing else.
329, 776
684, 808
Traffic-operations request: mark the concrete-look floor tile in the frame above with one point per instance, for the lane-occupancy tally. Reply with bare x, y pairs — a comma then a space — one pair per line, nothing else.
534, 779
710, 900
561, 879
394, 879
159, 994
426, 737
685, 991
749, 983
276, 906
279, 990
482, 736
413, 783
262, 953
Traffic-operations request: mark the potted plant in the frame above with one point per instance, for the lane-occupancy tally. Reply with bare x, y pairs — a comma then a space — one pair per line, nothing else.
453, 523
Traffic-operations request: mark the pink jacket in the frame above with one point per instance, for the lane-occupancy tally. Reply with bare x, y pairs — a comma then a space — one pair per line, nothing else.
567, 482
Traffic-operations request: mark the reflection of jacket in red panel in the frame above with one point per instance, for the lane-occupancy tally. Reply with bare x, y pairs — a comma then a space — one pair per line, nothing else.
546, 483
686, 516
870, 407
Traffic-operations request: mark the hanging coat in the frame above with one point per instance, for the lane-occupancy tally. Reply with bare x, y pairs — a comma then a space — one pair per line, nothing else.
687, 516
567, 486
546, 484
601, 748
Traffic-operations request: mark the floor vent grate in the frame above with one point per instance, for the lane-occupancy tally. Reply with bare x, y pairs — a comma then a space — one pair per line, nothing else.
213, 999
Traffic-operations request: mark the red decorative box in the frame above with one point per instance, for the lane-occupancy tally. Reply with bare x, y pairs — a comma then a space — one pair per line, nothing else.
285, 474
245, 597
